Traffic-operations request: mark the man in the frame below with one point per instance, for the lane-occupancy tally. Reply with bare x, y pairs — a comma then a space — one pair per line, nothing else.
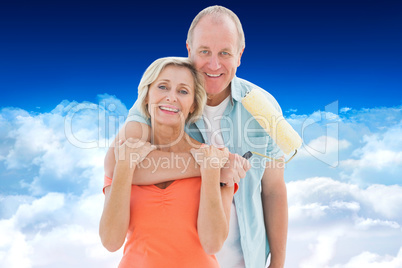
215, 44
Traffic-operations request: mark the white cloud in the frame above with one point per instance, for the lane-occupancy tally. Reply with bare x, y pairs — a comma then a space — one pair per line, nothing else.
51, 146
332, 222
326, 149
366, 224
379, 160
345, 109
382, 199
339, 216
56, 230
372, 260
53, 219
361, 146
321, 252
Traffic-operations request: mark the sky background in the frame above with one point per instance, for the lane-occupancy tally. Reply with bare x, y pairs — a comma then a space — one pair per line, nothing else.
69, 73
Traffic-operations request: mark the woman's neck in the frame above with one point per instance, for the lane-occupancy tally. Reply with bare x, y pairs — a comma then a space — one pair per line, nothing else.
169, 138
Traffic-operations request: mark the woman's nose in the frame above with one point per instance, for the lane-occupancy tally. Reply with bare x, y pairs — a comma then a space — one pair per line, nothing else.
171, 96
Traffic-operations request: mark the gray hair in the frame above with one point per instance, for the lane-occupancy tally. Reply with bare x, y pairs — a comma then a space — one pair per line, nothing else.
217, 11
152, 73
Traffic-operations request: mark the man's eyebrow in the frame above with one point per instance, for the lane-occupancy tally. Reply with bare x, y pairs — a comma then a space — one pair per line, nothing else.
223, 49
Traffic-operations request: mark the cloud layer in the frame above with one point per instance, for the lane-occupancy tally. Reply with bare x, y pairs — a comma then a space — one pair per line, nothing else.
344, 190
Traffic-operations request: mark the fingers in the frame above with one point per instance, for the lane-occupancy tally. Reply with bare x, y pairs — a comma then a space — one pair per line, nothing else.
133, 150
135, 143
210, 156
243, 164
235, 169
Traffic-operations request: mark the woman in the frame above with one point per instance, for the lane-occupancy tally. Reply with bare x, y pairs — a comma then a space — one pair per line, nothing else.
179, 223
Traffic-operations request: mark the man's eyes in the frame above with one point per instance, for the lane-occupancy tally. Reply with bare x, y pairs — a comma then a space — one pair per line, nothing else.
223, 53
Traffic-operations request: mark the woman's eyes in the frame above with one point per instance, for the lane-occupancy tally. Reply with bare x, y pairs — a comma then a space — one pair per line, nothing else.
181, 91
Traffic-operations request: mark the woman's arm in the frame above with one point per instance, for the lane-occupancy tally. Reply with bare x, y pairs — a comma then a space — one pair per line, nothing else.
116, 211
215, 201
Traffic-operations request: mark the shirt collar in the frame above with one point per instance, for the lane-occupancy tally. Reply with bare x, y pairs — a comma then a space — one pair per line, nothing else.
236, 94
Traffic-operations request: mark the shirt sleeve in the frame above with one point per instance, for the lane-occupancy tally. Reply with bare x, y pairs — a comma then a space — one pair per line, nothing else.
135, 115
236, 187
106, 182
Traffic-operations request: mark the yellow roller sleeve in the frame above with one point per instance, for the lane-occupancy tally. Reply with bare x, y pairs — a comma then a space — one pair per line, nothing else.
272, 121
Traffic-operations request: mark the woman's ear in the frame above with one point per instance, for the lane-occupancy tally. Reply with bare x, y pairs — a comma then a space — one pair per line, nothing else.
192, 108
146, 104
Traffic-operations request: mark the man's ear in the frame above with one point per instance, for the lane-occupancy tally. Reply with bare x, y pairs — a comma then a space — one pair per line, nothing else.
241, 53
188, 50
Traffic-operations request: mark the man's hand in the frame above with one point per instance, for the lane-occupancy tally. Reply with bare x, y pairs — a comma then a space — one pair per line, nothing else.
234, 169
210, 157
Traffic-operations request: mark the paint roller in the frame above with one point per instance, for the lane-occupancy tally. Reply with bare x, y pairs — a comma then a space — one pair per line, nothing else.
272, 121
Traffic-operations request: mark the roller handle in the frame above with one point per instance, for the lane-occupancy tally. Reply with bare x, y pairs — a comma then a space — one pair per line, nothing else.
247, 156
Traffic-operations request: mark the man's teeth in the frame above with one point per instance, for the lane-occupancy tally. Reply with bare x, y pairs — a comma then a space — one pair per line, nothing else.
213, 75
169, 109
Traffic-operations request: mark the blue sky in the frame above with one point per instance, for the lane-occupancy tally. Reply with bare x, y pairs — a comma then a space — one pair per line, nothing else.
69, 73
308, 54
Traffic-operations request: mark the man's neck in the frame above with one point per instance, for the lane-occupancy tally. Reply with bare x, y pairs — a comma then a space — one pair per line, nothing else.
216, 99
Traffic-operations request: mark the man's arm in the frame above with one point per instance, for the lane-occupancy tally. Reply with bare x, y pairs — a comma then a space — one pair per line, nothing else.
158, 166
275, 205
161, 166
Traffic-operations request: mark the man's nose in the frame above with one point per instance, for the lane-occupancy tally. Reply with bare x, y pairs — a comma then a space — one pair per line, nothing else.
214, 63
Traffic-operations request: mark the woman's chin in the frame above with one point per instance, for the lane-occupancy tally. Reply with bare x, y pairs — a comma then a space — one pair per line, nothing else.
177, 122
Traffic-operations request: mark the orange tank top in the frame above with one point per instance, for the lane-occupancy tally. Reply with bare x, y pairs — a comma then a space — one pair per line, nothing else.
163, 227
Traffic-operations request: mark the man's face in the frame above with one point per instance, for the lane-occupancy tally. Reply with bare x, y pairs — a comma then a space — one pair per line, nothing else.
216, 55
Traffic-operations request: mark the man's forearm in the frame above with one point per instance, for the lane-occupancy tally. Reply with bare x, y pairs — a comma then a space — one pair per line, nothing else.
275, 205
276, 222
158, 167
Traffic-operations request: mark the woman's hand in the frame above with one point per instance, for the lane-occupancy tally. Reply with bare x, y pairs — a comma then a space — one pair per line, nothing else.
132, 151
210, 157
215, 201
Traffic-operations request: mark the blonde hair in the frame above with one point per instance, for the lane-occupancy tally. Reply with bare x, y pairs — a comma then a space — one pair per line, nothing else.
216, 11
152, 73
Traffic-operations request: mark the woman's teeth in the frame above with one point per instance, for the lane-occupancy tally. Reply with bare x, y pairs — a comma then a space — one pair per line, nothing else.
169, 109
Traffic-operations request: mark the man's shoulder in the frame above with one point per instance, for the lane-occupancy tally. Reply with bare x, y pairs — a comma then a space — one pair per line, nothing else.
241, 86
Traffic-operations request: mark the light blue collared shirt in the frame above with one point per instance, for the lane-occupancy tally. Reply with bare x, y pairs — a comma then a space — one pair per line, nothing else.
242, 133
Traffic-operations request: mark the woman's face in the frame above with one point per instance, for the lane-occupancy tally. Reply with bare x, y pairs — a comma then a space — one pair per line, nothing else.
171, 96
